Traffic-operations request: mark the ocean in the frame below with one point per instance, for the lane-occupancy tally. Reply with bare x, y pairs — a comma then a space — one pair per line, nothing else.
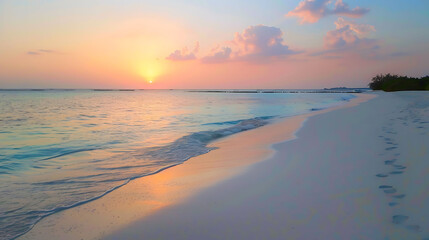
62, 148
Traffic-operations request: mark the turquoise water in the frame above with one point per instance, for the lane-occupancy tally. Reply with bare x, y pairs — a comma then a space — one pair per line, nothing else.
59, 149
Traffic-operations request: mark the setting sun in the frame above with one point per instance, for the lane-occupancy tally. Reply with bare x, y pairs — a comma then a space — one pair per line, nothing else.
150, 70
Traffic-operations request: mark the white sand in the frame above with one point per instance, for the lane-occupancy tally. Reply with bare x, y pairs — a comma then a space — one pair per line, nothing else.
322, 185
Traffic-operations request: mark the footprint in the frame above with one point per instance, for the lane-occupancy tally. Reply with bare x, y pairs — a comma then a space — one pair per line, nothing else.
414, 227
396, 172
381, 175
390, 148
398, 219
399, 196
390, 190
399, 166
384, 186
389, 162
392, 204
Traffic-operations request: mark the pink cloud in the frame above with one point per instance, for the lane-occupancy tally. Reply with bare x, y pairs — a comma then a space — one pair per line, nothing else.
33, 53
310, 11
261, 41
184, 54
218, 56
343, 9
42, 52
255, 43
360, 29
349, 35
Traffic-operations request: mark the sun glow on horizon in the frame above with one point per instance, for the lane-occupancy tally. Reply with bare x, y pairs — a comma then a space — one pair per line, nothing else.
150, 70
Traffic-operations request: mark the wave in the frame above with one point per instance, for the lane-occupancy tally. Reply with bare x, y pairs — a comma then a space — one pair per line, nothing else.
195, 144
316, 109
170, 155
68, 153
238, 121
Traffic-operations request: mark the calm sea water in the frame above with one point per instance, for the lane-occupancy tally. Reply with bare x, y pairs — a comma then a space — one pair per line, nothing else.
59, 149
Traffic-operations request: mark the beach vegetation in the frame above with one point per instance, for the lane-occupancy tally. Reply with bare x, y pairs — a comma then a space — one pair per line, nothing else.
390, 83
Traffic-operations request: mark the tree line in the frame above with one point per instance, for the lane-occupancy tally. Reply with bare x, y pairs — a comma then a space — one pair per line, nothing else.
391, 83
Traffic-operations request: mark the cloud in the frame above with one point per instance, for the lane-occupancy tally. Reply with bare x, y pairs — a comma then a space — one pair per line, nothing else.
181, 56
399, 54
255, 43
343, 9
184, 54
350, 35
261, 41
310, 11
219, 56
46, 51
41, 52
360, 29
33, 53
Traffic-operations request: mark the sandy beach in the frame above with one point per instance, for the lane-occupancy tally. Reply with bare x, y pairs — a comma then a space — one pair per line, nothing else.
357, 171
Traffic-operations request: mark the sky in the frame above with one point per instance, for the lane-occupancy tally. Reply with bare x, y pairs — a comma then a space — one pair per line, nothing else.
217, 44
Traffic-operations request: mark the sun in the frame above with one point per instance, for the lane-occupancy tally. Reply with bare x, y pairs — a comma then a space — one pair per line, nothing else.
150, 70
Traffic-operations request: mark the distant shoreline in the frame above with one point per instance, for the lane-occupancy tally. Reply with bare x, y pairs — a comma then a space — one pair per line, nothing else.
325, 90
350, 90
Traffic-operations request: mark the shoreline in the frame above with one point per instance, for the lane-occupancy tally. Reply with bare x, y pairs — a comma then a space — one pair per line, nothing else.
336, 180
144, 196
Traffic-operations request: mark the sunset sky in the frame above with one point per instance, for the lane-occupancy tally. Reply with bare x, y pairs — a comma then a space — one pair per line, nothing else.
210, 44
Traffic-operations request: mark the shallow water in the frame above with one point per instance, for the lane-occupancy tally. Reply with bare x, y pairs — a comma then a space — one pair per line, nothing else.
62, 148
